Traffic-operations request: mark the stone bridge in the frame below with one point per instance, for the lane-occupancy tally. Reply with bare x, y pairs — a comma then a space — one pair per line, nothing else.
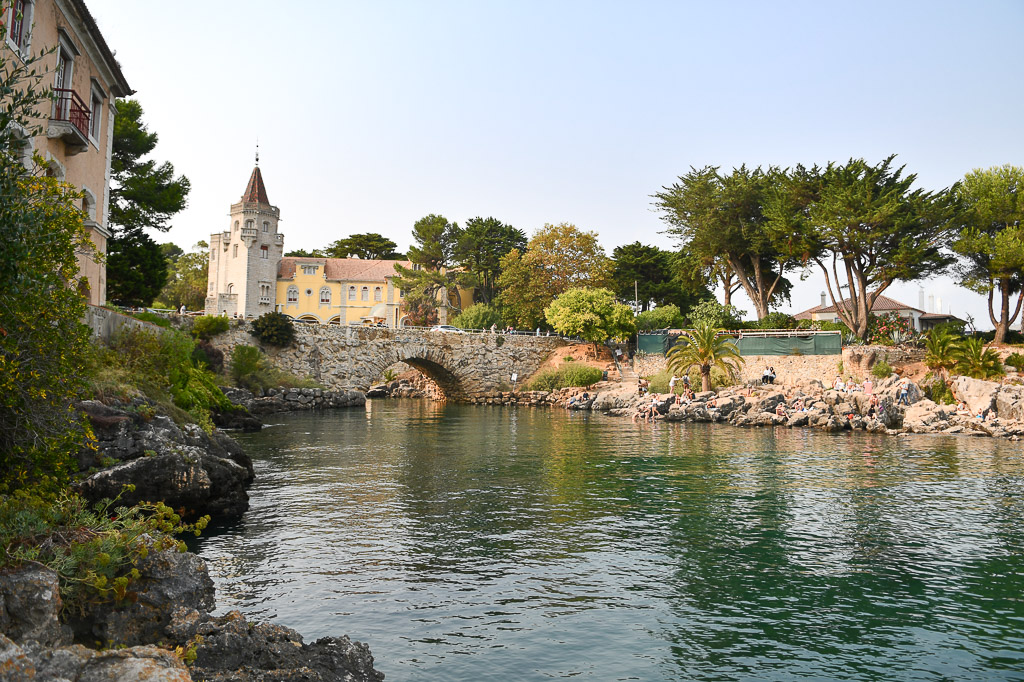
464, 366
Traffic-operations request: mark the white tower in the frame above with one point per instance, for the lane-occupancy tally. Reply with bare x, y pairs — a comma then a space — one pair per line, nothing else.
244, 259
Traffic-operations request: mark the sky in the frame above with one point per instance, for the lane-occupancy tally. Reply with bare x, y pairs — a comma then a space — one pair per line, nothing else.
370, 115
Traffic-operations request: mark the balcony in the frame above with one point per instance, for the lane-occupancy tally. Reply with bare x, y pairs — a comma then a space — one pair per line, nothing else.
70, 121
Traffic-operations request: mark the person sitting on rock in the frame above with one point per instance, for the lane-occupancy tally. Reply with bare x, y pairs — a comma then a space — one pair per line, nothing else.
780, 410
838, 384
873, 406
961, 408
798, 406
712, 403
851, 385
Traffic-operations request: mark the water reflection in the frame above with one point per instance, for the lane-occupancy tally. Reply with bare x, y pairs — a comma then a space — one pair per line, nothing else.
549, 544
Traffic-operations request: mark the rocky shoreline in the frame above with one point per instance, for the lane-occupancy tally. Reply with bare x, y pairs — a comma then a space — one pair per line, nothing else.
818, 407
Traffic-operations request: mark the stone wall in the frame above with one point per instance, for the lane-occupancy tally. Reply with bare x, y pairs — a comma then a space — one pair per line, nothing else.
354, 358
105, 323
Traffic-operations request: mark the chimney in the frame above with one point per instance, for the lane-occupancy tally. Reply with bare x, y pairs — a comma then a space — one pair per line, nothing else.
920, 298
938, 304
931, 304
823, 299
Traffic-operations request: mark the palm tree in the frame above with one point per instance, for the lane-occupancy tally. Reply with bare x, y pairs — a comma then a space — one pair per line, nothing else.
704, 348
941, 352
974, 360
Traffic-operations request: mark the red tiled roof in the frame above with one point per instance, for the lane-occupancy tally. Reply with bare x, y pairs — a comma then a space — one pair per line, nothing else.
343, 269
883, 304
255, 191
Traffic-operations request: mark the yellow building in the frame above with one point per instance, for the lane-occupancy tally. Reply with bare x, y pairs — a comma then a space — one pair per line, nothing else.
76, 128
340, 290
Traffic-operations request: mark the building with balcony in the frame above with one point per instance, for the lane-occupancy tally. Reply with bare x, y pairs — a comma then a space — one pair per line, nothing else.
77, 125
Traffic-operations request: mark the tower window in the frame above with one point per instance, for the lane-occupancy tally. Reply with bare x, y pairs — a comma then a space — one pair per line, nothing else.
234, 253
266, 226
264, 252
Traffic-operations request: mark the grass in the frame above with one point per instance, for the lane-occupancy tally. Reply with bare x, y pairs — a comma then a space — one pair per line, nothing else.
569, 374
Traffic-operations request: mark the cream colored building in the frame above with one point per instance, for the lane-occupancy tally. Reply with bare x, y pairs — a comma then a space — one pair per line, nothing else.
248, 276
77, 127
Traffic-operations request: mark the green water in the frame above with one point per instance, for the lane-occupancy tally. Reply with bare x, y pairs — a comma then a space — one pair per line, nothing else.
489, 543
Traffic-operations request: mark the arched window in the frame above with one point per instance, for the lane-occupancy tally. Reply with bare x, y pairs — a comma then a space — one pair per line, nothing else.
378, 294
231, 288
325, 295
236, 225
365, 293
234, 254
351, 293
249, 224
293, 294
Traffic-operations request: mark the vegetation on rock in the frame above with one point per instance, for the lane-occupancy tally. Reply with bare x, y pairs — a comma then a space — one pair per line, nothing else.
275, 329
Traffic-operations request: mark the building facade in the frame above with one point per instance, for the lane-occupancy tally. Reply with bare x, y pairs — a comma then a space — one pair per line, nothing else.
249, 276
883, 306
76, 128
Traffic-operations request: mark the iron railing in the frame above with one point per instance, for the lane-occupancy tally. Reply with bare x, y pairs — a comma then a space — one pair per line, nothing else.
68, 106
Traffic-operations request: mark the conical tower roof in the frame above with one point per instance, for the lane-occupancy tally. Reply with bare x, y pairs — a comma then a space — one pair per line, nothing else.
255, 191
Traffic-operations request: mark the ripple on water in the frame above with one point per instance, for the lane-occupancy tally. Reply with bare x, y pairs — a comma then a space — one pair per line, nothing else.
495, 543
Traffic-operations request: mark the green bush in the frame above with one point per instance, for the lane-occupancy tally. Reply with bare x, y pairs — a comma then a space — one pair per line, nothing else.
249, 368
153, 318
569, 374
776, 320
937, 391
275, 329
208, 326
714, 314
1015, 360
479, 316
663, 317
881, 369
94, 550
209, 356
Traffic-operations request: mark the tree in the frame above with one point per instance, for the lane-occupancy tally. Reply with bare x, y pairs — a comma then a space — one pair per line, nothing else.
720, 220
941, 351
711, 313
990, 240
367, 246
136, 269
42, 340
303, 253
864, 221
187, 276
974, 360
143, 195
557, 258
479, 249
643, 271
663, 317
590, 314
428, 282
704, 348
171, 252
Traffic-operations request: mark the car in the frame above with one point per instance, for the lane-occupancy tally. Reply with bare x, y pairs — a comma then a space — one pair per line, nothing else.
445, 328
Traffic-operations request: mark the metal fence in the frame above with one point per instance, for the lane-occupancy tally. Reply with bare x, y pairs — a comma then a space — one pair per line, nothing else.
755, 342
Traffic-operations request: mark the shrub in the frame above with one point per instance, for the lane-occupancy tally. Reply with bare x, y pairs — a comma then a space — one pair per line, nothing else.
1015, 360
209, 356
153, 318
208, 326
777, 320
94, 551
479, 316
663, 317
250, 369
274, 328
570, 374
711, 313
976, 361
937, 391
881, 369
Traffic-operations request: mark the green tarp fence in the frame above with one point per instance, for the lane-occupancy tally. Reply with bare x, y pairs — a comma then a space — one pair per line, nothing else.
808, 344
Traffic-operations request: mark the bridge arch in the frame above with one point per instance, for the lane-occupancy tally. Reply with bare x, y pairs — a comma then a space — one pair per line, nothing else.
436, 363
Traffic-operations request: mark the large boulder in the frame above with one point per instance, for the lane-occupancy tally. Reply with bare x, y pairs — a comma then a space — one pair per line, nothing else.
172, 586
1010, 403
925, 416
180, 465
979, 395
30, 606
233, 649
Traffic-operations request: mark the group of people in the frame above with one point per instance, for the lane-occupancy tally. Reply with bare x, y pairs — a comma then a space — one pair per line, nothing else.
768, 376
851, 386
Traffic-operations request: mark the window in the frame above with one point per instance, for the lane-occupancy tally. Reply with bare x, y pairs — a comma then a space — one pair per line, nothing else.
62, 83
20, 24
96, 113
249, 224
377, 294
265, 294
366, 293
236, 226
351, 293
264, 251
309, 269
231, 288
234, 254
401, 293
266, 226
293, 294
325, 295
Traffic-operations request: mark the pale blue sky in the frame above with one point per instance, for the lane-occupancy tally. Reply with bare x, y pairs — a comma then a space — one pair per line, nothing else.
371, 115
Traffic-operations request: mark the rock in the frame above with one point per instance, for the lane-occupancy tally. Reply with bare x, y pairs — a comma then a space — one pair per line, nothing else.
979, 395
181, 466
139, 664
798, 419
239, 420
769, 402
30, 606
925, 416
15, 664
270, 652
170, 583
1010, 403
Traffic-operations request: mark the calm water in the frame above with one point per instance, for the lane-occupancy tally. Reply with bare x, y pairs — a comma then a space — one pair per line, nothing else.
479, 543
